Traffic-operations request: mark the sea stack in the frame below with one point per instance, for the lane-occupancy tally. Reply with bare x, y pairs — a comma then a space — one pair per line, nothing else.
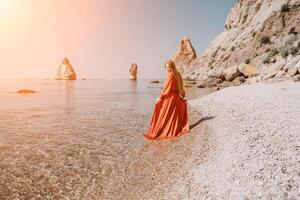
66, 71
133, 71
185, 54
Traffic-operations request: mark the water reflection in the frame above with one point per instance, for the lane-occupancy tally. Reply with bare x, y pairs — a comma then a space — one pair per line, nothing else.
67, 89
193, 92
133, 85
73, 132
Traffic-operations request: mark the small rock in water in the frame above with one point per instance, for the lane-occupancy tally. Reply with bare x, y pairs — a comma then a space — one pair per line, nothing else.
155, 81
26, 91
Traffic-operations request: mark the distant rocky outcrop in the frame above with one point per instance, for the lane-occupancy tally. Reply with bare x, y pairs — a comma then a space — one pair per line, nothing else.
185, 55
133, 71
66, 71
261, 42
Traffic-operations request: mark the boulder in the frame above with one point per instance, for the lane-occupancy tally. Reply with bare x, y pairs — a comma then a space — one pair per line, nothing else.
66, 71
294, 70
239, 80
296, 77
202, 73
133, 71
191, 78
216, 72
281, 73
211, 82
291, 63
192, 82
226, 84
231, 73
200, 86
272, 60
185, 55
248, 70
271, 71
26, 91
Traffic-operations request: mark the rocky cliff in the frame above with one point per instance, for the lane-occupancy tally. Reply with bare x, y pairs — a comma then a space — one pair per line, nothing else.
261, 41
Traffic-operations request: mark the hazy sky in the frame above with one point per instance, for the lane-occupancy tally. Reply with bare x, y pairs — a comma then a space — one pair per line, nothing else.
102, 37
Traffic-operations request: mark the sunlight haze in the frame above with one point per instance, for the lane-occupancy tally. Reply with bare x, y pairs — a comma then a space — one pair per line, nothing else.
102, 38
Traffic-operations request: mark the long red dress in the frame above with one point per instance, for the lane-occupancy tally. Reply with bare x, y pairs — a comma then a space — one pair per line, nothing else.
170, 117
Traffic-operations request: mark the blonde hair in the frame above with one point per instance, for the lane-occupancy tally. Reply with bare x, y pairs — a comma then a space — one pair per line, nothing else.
179, 80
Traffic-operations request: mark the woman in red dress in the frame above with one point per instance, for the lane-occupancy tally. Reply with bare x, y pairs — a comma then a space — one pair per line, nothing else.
169, 118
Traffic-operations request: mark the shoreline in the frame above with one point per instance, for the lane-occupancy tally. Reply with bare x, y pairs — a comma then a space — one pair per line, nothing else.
255, 144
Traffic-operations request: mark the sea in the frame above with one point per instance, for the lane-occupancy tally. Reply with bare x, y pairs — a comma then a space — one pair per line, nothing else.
77, 139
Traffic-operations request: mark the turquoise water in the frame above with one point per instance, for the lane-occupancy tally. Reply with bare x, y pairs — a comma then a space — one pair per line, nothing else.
72, 139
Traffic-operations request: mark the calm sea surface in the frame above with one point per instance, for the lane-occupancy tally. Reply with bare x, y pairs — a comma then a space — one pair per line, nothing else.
72, 139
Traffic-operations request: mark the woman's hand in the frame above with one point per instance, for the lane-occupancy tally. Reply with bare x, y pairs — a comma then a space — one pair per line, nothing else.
157, 100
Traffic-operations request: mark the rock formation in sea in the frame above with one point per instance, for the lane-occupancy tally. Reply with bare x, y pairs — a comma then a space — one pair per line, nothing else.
133, 71
66, 71
261, 42
185, 55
